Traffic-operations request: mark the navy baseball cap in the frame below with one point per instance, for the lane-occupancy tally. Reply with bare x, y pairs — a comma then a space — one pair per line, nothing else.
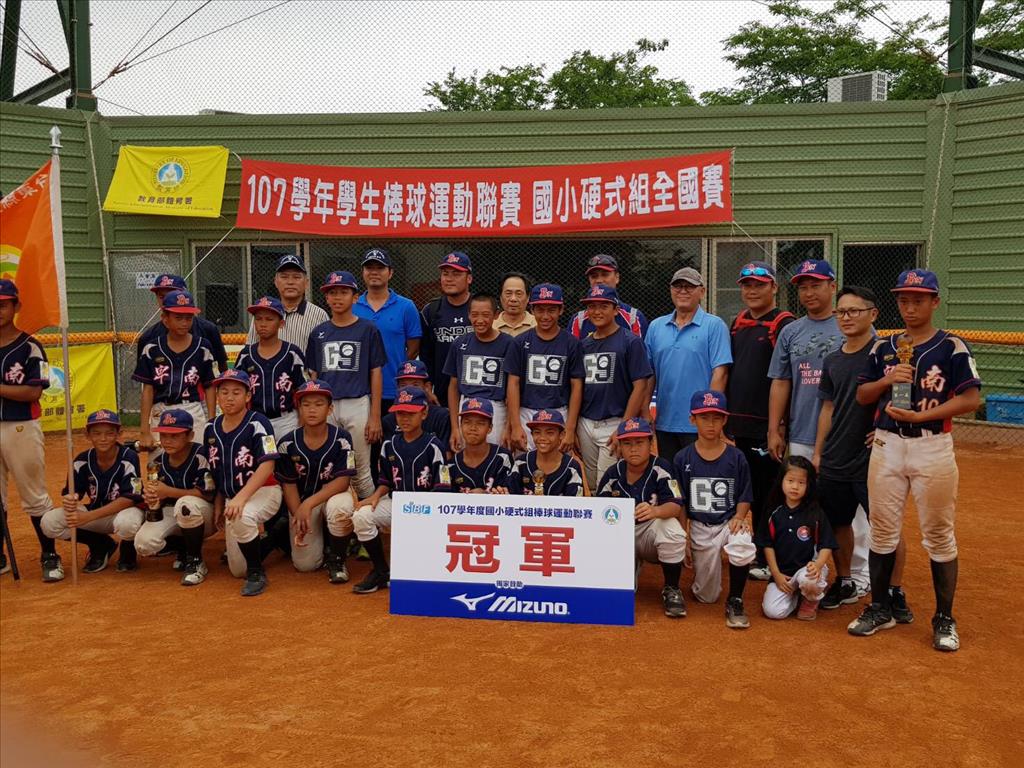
268, 303
457, 260
377, 254
603, 262
634, 428
546, 293
601, 293
477, 406
179, 302
816, 268
757, 270
409, 399
547, 417
708, 401
917, 281
102, 416
174, 421
340, 279
8, 290
235, 375
174, 282
413, 369
290, 261
313, 388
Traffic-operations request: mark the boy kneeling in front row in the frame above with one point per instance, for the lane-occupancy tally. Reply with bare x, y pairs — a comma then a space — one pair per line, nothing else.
179, 498
411, 460
315, 468
648, 480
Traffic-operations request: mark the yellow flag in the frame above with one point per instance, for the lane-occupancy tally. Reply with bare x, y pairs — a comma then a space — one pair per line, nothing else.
168, 181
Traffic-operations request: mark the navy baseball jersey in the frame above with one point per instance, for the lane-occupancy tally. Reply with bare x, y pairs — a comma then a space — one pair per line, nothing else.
22, 363
193, 472
120, 480
711, 490
479, 366
419, 465
567, 480
176, 377
492, 472
438, 423
273, 380
656, 486
234, 456
443, 323
545, 368
200, 327
310, 469
796, 536
943, 368
344, 357
611, 365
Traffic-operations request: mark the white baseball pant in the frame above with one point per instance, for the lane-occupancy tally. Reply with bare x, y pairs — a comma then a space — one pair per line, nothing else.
595, 446
352, 414
285, 423
527, 415
261, 506
309, 556
662, 540
125, 524
192, 510
708, 542
367, 521
778, 605
861, 530
23, 454
926, 467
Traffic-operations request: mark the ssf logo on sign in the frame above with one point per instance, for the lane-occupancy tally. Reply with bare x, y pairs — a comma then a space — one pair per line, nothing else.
600, 367
341, 355
545, 370
481, 371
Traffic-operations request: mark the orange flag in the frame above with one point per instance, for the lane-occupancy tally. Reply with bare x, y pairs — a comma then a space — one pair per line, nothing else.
27, 254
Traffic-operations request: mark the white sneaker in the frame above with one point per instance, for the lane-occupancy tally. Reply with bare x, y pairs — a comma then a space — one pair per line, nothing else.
760, 573
195, 573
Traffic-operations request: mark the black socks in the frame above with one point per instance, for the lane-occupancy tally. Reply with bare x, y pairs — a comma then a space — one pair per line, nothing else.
47, 544
737, 580
944, 577
375, 549
253, 556
880, 567
672, 573
193, 542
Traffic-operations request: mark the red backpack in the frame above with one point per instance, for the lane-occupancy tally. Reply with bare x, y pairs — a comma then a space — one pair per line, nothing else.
744, 320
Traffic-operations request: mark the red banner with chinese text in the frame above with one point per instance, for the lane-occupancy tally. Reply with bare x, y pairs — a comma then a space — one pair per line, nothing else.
486, 202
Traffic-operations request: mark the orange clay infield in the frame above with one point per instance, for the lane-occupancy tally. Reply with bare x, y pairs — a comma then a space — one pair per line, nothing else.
135, 670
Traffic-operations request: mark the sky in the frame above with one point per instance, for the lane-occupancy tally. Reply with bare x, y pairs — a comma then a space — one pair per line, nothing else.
361, 56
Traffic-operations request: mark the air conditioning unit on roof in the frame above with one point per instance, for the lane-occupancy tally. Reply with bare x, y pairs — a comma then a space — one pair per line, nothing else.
863, 86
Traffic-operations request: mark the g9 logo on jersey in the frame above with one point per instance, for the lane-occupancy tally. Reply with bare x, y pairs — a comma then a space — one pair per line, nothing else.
545, 370
600, 367
481, 371
341, 355
710, 495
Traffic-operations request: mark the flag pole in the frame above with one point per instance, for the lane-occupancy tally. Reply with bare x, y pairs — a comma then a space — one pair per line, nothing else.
62, 292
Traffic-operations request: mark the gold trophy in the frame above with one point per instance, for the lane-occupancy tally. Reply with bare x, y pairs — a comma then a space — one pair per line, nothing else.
538, 482
901, 392
155, 512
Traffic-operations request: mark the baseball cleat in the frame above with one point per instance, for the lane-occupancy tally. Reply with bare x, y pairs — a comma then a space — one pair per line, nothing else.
808, 610
53, 570
735, 616
672, 600
255, 582
842, 592
195, 573
944, 634
900, 610
374, 580
180, 562
337, 572
871, 619
98, 560
760, 573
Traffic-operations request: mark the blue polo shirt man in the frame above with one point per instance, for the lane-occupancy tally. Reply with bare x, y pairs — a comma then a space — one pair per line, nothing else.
690, 352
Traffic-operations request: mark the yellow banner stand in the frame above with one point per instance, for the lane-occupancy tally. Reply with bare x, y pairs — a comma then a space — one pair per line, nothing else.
92, 385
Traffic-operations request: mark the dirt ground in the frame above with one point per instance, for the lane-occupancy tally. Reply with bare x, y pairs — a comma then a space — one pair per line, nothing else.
134, 670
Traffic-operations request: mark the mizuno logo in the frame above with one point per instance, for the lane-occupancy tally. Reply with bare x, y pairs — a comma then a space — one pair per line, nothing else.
471, 602
512, 604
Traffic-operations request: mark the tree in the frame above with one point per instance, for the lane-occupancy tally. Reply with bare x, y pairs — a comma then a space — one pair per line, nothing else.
791, 59
585, 80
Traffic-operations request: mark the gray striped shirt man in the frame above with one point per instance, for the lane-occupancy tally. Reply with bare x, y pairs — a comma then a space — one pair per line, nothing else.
298, 324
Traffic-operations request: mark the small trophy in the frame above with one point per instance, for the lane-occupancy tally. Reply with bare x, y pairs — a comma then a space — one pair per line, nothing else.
538, 482
901, 392
155, 512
